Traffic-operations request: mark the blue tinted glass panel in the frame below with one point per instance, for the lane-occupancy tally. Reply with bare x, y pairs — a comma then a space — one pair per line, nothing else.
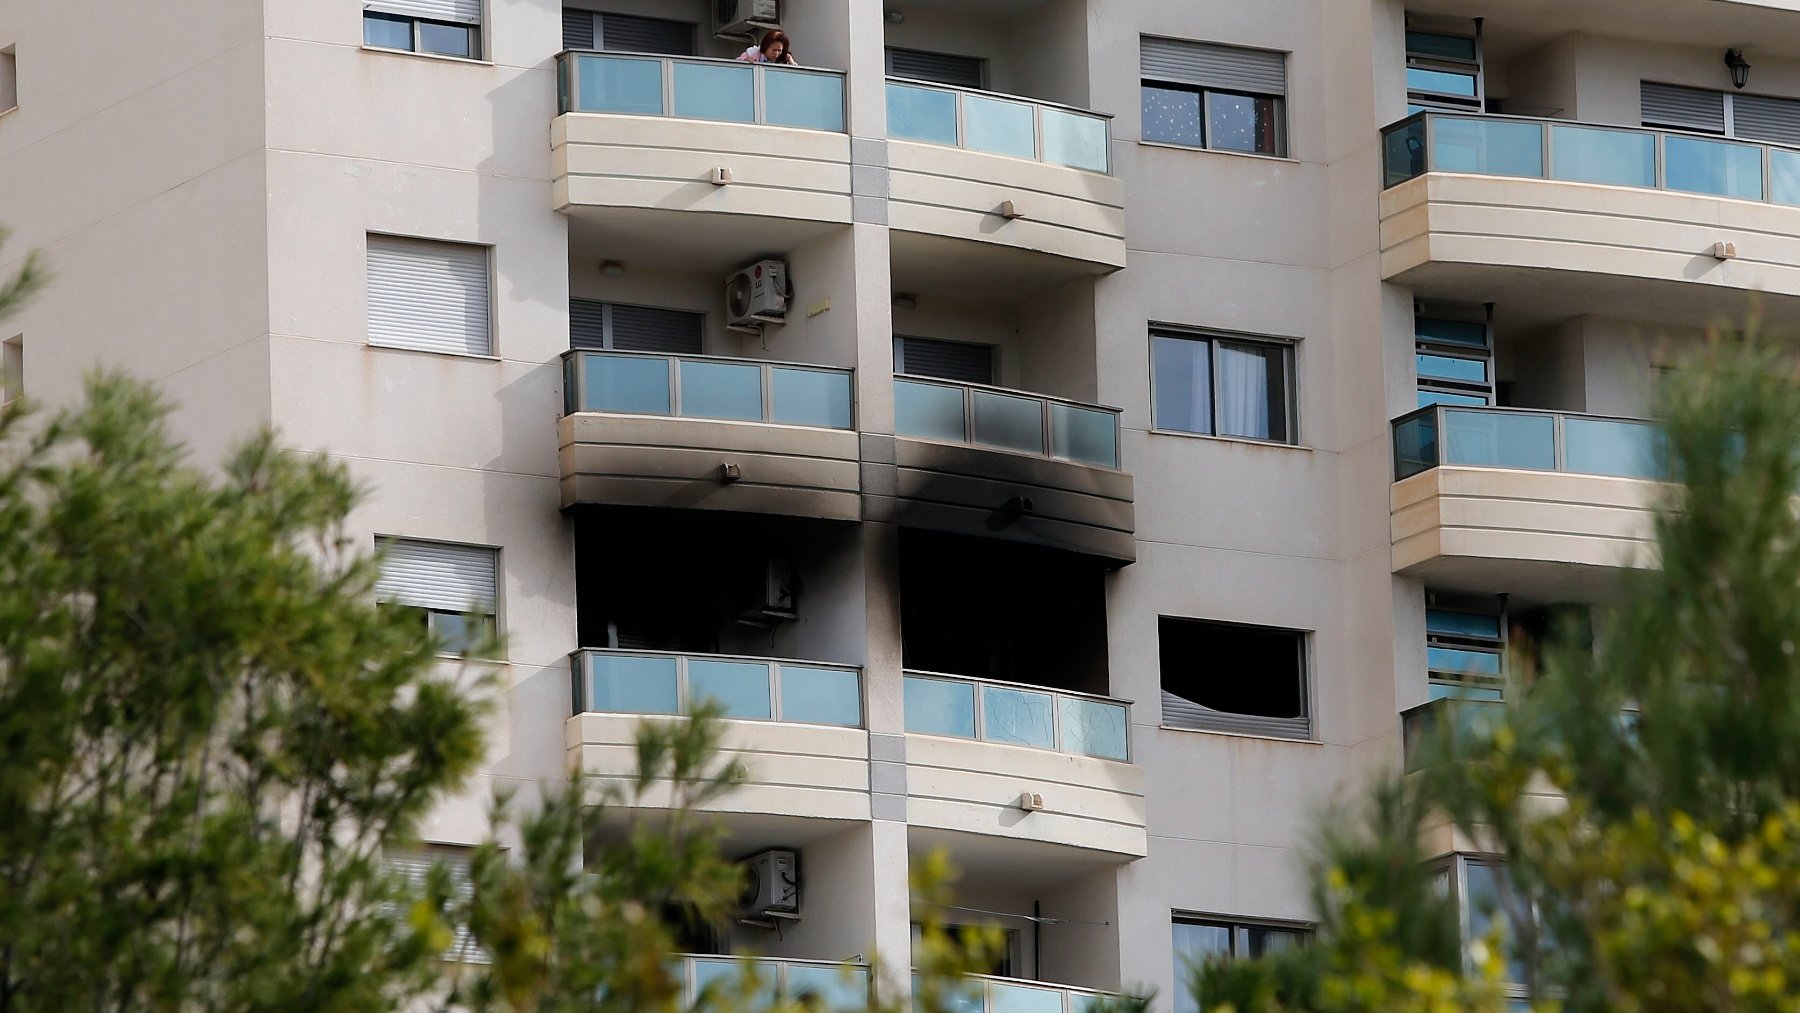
447, 40
389, 31
721, 390
938, 707
1403, 152
1449, 659
821, 696
1447, 47
1442, 82
1499, 440
1596, 155
1415, 445
921, 114
1172, 116
1431, 397
632, 685
1182, 373
1007, 998
1015, 423
1083, 434
810, 397
1075, 139
1462, 624
833, 988
627, 384
998, 127
928, 411
1489, 147
706, 91
610, 84
1247, 123
1018, 716
740, 687
1610, 447
1450, 367
799, 98
1784, 176
1472, 333
1461, 691
1699, 165
1093, 728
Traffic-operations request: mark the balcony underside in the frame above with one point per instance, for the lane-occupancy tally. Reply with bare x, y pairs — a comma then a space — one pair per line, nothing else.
1717, 23
1554, 249
1546, 536
995, 494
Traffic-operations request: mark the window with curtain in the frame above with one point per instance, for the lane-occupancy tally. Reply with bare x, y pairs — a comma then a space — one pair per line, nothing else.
1222, 386
1206, 95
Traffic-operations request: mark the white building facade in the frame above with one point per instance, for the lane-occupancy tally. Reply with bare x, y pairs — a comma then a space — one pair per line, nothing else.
1136, 413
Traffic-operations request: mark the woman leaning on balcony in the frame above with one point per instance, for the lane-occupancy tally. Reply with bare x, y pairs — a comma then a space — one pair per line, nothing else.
774, 48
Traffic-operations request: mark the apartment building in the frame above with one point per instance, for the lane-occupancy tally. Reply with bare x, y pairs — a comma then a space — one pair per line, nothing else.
1078, 435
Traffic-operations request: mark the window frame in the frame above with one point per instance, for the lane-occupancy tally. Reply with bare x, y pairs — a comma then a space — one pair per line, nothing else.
1488, 390
1454, 868
1239, 929
1308, 717
1417, 99
1458, 688
477, 35
1206, 104
9, 79
433, 616
12, 369
1290, 380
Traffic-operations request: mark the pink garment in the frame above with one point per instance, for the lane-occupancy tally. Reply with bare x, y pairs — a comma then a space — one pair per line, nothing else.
755, 55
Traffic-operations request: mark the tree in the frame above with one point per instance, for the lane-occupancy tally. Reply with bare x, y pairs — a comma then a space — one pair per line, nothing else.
1670, 880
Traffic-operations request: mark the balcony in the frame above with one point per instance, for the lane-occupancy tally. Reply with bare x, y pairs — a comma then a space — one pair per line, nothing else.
975, 747
980, 460
1552, 504
1588, 218
777, 982
1028, 182
638, 138
990, 994
796, 726
1426, 722
708, 432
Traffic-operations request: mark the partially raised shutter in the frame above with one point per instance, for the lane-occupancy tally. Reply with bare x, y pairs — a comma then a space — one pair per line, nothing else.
1180, 712
437, 575
413, 865
465, 11
946, 360
627, 33
1667, 105
428, 296
1761, 118
1210, 65
578, 28
645, 329
939, 68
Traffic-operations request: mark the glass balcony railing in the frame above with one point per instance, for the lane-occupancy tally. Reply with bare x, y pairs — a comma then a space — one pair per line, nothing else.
694, 88
1018, 714
707, 387
987, 994
980, 416
1527, 439
758, 689
1423, 724
1589, 153
999, 124
830, 986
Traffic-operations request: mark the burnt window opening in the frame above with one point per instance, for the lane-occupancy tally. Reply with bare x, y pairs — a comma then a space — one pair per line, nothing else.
1233, 678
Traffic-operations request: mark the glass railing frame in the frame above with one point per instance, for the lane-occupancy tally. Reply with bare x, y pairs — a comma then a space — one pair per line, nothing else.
1547, 146
1071, 994
568, 85
1424, 719
1558, 430
1055, 712
575, 385
690, 987
1045, 401
1037, 120
581, 677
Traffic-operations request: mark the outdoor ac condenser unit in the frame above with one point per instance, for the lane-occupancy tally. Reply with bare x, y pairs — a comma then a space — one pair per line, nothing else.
739, 17
757, 295
772, 887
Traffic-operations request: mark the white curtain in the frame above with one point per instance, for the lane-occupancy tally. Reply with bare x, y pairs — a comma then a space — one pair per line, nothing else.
1243, 392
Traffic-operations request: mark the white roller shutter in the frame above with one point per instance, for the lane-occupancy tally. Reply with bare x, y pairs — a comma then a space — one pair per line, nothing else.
437, 575
1210, 65
1667, 105
414, 866
466, 11
938, 68
428, 296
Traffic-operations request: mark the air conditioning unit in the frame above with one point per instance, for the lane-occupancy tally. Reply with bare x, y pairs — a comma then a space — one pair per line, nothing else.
739, 17
773, 596
756, 295
772, 885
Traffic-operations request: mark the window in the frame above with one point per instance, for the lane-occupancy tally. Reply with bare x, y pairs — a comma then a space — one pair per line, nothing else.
1231, 678
414, 865
1443, 71
1205, 95
1453, 351
454, 587
1728, 114
596, 325
12, 369
939, 68
1465, 646
945, 360
428, 296
1222, 386
1478, 887
626, 33
9, 80
1198, 940
441, 27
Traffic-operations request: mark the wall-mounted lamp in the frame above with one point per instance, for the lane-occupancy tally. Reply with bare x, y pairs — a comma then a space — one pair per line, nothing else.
612, 269
1740, 67
905, 301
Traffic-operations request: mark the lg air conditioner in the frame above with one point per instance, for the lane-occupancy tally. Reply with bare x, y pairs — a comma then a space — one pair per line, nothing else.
757, 295
739, 17
771, 886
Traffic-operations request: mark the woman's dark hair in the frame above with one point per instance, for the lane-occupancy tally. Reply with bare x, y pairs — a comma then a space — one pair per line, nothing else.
777, 35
